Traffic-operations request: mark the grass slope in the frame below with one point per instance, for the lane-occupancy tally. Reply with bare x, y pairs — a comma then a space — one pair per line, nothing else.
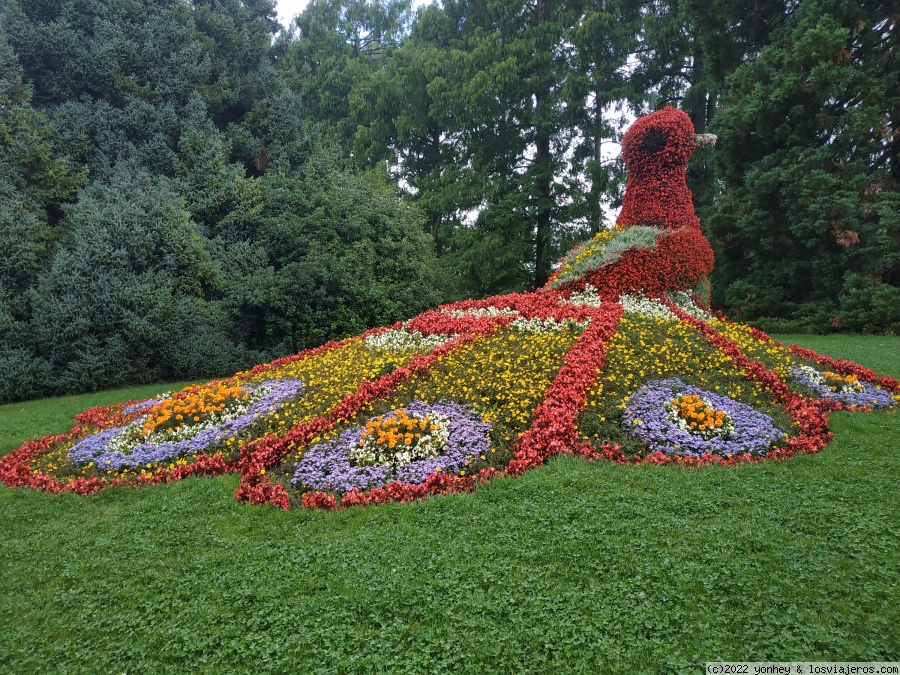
575, 567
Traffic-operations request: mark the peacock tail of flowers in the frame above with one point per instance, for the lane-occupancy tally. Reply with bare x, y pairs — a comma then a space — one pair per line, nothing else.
617, 359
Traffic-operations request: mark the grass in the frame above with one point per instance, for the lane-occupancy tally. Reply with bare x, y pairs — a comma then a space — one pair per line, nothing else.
575, 567
879, 352
33, 419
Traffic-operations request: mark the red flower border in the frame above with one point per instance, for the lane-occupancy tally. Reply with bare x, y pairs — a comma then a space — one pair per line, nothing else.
845, 367
554, 427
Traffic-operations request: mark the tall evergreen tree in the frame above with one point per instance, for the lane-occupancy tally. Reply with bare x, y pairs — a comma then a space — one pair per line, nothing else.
809, 227
33, 183
114, 76
508, 68
337, 47
604, 40
410, 125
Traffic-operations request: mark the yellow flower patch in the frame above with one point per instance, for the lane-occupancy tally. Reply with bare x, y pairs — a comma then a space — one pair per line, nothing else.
503, 375
774, 357
328, 378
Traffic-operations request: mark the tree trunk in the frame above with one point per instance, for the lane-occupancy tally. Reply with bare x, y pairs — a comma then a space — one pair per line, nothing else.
542, 160
595, 216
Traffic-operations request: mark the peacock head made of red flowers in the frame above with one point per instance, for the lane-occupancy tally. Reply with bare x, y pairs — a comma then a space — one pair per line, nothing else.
661, 139
656, 149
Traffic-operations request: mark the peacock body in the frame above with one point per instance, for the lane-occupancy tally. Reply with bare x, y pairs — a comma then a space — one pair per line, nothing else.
617, 358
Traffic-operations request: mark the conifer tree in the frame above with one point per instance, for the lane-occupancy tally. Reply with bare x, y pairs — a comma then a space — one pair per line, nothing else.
808, 229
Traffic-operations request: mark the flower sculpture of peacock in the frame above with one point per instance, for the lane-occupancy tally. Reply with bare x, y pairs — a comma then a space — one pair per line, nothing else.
617, 359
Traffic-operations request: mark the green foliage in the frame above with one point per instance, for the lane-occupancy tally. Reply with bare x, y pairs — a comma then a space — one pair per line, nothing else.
216, 191
810, 219
334, 254
483, 116
182, 244
870, 308
32, 180
339, 46
122, 299
117, 77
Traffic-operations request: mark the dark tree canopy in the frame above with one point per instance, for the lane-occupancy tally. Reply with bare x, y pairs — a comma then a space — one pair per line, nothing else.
808, 227
187, 187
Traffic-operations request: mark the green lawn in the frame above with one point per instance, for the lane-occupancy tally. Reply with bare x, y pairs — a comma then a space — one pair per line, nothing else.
574, 568
33, 419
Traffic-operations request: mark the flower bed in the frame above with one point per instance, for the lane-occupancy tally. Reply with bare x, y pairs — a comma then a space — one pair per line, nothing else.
159, 437
847, 389
530, 375
679, 419
359, 459
612, 360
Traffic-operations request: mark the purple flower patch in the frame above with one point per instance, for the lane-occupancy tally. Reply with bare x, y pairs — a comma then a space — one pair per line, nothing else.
107, 450
646, 417
141, 405
850, 391
327, 466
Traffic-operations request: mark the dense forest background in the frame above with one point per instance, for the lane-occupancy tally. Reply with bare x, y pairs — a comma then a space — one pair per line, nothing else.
188, 188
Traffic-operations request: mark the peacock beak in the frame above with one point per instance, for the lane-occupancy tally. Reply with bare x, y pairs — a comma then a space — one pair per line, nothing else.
705, 140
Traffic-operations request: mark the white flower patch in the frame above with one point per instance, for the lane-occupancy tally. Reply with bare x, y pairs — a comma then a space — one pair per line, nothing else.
643, 306
403, 340
550, 325
371, 451
588, 297
819, 378
479, 312
685, 302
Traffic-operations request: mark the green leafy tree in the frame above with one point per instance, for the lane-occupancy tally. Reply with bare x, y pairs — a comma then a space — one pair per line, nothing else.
410, 126
337, 46
808, 229
33, 184
603, 43
334, 254
502, 87
126, 286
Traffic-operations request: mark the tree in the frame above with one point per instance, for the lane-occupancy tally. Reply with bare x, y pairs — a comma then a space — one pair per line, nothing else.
335, 253
604, 40
503, 89
339, 45
115, 76
124, 284
808, 229
33, 184
410, 126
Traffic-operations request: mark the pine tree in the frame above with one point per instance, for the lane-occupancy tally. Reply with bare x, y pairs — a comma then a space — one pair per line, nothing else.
808, 228
33, 184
